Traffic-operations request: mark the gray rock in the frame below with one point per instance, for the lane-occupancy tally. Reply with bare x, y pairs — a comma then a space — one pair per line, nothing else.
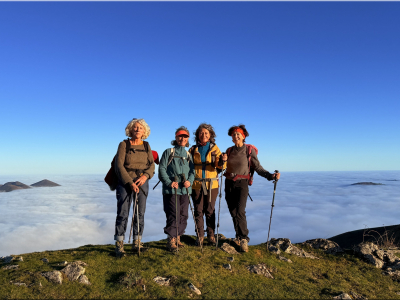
45, 260
162, 281
227, 266
274, 249
64, 263
74, 270
84, 280
10, 267
368, 252
194, 289
343, 296
220, 237
53, 276
286, 246
7, 259
357, 296
390, 258
228, 249
260, 269
379, 254
19, 258
328, 246
285, 259
230, 259
19, 283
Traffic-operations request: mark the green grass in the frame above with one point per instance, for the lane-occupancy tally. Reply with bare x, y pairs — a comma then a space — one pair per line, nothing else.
303, 279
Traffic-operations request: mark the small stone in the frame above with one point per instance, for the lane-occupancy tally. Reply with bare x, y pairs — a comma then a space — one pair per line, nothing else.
144, 288
74, 270
11, 267
231, 259
357, 296
342, 296
227, 266
45, 260
19, 258
161, 280
398, 293
84, 280
194, 289
260, 269
228, 249
64, 263
18, 283
53, 276
285, 259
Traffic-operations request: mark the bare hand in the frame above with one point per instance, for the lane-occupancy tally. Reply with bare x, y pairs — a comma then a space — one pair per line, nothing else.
174, 185
277, 176
224, 157
142, 179
187, 184
135, 188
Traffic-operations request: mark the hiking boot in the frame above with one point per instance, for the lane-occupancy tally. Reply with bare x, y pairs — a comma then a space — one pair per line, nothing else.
211, 239
171, 244
179, 242
244, 245
135, 245
199, 241
236, 241
119, 249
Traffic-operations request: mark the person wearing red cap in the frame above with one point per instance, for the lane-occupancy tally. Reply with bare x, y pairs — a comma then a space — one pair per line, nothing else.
176, 172
207, 163
237, 181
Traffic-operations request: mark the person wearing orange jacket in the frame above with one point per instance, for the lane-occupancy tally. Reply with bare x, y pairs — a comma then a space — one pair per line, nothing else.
207, 164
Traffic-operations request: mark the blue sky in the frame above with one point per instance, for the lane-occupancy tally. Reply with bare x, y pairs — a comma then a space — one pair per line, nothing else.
317, 84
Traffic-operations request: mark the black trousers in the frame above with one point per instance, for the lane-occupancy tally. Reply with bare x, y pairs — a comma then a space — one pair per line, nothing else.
236, 193
202, 206
170, 209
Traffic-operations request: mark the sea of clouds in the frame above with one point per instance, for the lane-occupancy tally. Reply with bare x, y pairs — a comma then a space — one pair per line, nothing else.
307, 205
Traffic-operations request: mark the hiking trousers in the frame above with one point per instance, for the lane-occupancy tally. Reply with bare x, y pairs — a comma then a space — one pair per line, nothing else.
124, 200
236, 193
202, 206
183, 215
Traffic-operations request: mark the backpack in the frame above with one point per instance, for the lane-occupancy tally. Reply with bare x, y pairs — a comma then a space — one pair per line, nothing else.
111, 178
172, 156
249, 148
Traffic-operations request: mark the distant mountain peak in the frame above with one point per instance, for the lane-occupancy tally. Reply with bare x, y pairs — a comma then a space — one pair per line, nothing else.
45, 183
13, 185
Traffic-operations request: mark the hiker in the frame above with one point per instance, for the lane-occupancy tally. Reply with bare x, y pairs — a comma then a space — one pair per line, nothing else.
174, 163
134, 166
237, 180
207, 164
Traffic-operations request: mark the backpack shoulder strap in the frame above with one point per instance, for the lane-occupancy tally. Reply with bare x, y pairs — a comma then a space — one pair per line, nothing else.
128, 146
228, 151
146, 146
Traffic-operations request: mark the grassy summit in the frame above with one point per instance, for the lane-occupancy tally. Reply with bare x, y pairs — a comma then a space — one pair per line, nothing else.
303, 279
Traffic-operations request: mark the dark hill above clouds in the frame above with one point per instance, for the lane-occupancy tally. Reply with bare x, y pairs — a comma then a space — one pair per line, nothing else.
11, 186
45, 183
367, 183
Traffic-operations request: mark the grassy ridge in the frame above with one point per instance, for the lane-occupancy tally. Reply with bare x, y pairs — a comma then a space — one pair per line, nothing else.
303, 279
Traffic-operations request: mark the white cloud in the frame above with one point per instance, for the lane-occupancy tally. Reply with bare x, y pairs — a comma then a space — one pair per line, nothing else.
307, 205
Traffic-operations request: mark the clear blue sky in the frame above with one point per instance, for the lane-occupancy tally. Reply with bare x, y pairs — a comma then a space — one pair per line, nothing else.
317, 84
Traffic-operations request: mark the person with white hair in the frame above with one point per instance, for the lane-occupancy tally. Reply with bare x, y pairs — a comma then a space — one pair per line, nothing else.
134, 166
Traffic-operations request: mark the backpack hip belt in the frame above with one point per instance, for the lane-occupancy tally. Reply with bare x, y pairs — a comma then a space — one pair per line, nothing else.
234, 177
204, 186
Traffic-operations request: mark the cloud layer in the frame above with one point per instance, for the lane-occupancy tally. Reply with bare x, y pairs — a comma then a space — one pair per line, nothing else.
307, 205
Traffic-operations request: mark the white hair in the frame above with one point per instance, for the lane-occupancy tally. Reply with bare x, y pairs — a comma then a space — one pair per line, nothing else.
142, 122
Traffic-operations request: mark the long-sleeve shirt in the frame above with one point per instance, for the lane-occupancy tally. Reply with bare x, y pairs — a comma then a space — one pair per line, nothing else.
177, 167
127, 163
238, 163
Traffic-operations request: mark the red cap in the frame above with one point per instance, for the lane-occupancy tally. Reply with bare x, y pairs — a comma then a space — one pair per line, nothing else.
182, 132
155, 157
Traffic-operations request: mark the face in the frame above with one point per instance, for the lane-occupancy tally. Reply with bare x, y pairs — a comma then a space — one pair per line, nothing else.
182, 140
137, 131
204, 135
237, 138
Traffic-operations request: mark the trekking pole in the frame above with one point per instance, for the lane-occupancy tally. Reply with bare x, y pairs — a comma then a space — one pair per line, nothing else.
133, 217
272, 207
219, 207
137, 218
191, 208
250, 197
156, 184
176, 214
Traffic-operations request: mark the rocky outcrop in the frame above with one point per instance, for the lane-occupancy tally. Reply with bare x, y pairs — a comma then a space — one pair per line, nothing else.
382, 259
282, 244
260, 269
45, 183
228, 249
329, 247
74, 270
53, 276
12, 186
